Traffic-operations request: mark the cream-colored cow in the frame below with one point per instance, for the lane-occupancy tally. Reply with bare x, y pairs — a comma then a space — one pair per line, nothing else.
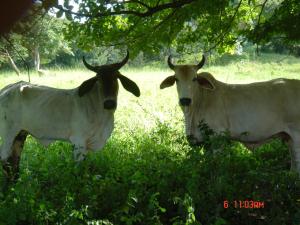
252, 113
83, 116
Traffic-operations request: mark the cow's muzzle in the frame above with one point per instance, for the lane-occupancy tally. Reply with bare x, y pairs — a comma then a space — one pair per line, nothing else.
110, 104
185, 101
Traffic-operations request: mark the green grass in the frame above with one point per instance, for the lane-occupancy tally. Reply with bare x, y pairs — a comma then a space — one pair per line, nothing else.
147, 173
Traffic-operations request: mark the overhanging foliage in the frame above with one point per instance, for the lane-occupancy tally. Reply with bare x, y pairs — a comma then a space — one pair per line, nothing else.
149, 25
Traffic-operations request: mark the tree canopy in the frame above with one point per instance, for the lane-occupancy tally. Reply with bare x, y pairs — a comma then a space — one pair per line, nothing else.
152, 26
149, 25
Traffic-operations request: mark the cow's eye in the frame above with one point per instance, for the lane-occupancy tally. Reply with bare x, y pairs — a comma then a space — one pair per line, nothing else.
176, 79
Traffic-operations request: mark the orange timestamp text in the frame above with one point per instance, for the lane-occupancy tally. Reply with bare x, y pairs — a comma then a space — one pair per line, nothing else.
244, 204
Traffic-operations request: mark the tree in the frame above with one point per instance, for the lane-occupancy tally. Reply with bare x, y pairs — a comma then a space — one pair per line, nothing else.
10, 49
39, 34
149, 25
45, 40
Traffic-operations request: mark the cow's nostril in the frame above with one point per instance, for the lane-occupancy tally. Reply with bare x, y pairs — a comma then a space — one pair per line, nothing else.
110, 104
185, 101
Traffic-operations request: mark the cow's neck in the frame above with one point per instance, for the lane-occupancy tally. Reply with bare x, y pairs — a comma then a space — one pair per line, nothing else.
200, 110
212, 107
190, 112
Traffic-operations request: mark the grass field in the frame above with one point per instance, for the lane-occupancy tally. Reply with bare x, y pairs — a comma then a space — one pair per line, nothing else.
147, 173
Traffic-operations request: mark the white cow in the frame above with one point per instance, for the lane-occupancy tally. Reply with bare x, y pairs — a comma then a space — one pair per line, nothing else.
83, 116
252, 113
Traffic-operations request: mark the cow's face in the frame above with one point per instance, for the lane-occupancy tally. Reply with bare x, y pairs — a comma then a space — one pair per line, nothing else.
186, 79
108, 76
110, 89
185, 83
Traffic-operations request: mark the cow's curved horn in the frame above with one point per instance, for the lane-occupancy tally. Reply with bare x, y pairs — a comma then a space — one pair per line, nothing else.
90, 67
117, 66
200, 64
171, 65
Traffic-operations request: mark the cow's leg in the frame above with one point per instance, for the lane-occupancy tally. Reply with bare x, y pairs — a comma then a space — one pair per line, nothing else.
17, 148
79, 153
294, 146
79, 149
5, 149
5, 153
11, 165
291, 147
295, 163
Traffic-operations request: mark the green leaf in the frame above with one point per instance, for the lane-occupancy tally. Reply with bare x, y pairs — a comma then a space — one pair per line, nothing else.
70, 7
66, 3
59, 14
68, 16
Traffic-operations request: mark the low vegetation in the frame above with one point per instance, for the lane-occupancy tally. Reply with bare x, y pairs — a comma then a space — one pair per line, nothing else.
148, 174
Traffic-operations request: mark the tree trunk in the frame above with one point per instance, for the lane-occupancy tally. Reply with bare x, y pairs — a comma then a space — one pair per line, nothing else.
12, 63
37, 61
36, 57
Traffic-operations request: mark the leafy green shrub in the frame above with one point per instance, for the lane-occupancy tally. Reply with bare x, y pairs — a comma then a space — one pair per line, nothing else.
154, 177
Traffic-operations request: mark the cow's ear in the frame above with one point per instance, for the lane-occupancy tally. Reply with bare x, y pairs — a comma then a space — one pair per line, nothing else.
129, 85
205, 82
86, 86
168, 82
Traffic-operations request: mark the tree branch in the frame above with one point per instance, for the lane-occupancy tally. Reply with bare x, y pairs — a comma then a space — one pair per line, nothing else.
149, 12
18, 53
138, 2
261, 11
164, 20
222, 35
154, 29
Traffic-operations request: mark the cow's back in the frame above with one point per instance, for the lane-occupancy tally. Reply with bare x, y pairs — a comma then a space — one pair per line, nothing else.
10, 98
261, 108
40, 110
275, 96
